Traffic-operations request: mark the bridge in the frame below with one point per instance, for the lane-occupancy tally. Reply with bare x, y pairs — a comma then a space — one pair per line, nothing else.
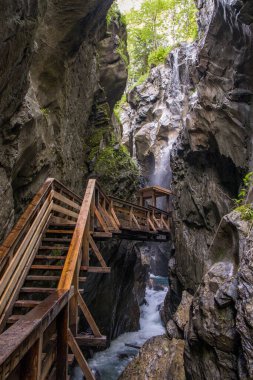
44, 262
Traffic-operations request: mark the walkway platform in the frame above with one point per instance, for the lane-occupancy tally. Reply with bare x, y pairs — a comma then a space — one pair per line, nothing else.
44, 263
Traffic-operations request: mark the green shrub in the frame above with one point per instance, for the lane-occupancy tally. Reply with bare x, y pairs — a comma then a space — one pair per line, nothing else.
246, 212
247, 183
158, 56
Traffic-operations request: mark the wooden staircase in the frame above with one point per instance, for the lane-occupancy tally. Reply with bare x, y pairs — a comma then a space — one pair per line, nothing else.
44, 263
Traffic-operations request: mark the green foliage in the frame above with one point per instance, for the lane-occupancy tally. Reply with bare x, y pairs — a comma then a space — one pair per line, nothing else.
158, 56
155, 26
114, 15
44, 111
118, 107
247, 183
122, 51
246, 212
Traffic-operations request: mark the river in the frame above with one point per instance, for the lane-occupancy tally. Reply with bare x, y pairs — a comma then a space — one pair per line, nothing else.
111, 362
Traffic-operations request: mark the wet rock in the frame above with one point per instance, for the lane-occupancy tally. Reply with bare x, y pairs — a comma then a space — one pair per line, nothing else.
220, 332
212, 151
159, 358
155, 114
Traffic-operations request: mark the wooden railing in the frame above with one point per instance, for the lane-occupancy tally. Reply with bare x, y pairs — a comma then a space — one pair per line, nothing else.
23, 347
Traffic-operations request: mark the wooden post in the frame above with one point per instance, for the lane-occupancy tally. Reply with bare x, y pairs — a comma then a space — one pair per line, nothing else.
73, 306
85, 247
62, 344
31, 363
92, 214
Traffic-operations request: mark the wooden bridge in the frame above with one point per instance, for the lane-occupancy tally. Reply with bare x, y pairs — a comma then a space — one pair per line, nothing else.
44, 262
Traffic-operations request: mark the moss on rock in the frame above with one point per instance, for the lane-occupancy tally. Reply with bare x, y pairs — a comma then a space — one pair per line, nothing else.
117, 171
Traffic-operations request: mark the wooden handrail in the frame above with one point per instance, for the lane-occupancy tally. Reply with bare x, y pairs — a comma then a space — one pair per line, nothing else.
77, 239
14, 236
20, 338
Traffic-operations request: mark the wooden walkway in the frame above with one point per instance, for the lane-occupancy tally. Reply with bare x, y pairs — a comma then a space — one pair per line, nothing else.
44, 262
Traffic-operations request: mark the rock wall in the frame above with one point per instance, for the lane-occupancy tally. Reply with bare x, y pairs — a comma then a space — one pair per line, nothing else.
155, 112
114, 299
214, 148
55, 56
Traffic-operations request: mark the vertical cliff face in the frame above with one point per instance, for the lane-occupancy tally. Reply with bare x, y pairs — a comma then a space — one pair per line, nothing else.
214, 147
155, 113
58, 62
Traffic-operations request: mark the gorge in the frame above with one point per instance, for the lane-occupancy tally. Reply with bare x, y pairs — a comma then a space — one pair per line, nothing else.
187, 126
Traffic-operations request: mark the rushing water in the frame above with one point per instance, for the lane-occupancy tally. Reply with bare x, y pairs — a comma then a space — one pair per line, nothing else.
111, 362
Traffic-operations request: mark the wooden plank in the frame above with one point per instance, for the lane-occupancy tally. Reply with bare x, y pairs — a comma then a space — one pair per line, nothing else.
151, 225
53, 248
43, 257
88, 316
56, 240
101, 235
65, 211
75, 245
26, 303
47, 267
58, 221
106, 218
95, 269
79, 357
97, 252
115, 216
66, 200
136, 221
100, 219
50, 278
90, 340
58, 232
16, 267
37, 290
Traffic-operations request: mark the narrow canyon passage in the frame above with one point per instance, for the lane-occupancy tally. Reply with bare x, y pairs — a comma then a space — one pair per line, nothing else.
126, 190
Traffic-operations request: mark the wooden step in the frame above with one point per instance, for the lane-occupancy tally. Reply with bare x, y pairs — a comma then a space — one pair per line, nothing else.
53, 248
90, 340
49, 278
101, 234
47, 267
41, 290
84, 268
14, 318
26, 303
66, 232
56, 240
96, 269
43, 257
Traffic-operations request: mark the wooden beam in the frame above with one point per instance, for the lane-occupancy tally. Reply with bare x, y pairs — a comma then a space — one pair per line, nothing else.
88, 316
79, 357
66, 200
31, 363
91, 341
100, 219
97, 252
62, 344
65, 211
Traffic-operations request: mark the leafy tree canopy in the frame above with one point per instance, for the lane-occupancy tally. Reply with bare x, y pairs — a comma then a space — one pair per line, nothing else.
154, 28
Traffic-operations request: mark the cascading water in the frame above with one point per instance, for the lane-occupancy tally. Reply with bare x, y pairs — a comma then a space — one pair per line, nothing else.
109, 364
